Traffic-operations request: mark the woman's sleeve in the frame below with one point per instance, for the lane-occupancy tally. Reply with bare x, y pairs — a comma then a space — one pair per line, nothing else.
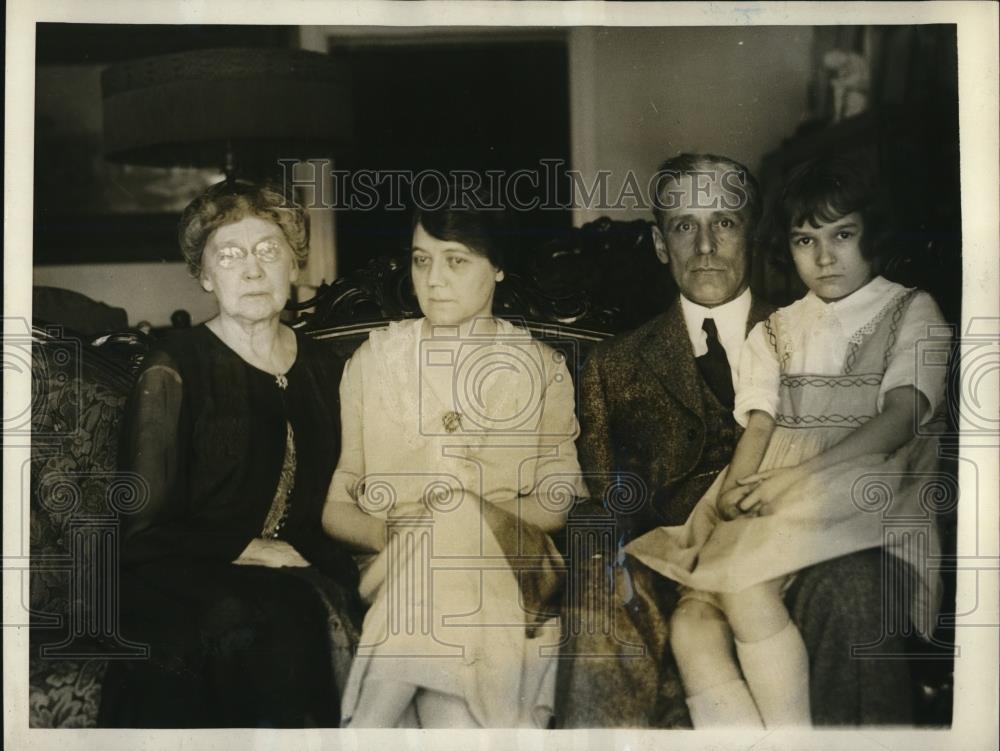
154, 444
558, 429
759, 373
351, 465
919, 357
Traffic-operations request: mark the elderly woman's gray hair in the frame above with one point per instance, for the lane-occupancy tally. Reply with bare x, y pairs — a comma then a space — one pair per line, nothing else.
233, 200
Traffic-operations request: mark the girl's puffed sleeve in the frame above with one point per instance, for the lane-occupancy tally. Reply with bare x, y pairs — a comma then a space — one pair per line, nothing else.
920, 354
759, 373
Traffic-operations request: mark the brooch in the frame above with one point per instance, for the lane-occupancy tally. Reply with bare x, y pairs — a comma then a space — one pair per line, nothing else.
282, 381
452, 421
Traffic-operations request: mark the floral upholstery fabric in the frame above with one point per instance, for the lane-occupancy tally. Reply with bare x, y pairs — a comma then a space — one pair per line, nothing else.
76, 407
65, 693
77, 496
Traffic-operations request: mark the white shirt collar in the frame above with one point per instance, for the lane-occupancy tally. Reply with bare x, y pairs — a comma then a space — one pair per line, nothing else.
730, 319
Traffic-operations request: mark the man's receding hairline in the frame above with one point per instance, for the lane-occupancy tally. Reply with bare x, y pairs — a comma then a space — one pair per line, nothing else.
724, 166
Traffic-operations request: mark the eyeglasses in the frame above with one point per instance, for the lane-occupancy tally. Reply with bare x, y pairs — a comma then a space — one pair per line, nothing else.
267, 251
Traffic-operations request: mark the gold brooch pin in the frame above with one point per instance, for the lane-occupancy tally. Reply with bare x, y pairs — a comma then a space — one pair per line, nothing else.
452, 421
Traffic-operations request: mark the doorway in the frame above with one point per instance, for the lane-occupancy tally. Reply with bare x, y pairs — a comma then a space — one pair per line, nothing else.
473, 104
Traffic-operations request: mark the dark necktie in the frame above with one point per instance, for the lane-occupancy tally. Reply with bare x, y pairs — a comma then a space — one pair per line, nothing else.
714, 366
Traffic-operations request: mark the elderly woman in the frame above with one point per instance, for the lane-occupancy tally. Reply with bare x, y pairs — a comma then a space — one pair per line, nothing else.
457, 460
233, 426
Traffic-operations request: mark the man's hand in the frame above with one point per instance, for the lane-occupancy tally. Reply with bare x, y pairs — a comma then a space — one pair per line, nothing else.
767, 487
270, 553
728, 502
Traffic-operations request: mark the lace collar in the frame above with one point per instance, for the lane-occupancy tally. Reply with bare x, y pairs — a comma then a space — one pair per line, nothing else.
860, 312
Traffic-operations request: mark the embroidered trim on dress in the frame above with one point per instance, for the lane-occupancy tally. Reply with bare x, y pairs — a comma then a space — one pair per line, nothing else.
811, 421
895, 307
769, 330
278, 513
842, 381
897, 316
774, 326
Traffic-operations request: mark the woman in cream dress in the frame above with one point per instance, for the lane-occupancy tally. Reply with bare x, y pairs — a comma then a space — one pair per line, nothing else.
457, 462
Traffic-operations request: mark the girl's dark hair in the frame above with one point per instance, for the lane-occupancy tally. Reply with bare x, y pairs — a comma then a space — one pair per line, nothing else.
471, 218
822, 191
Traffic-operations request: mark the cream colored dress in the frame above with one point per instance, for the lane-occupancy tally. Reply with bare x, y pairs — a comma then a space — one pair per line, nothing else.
450, 422
822, 370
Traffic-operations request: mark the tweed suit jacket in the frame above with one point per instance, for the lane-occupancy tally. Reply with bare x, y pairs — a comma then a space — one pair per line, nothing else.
643, 426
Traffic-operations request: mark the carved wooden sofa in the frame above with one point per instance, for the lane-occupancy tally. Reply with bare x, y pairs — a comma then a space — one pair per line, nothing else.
79, 388
599, 280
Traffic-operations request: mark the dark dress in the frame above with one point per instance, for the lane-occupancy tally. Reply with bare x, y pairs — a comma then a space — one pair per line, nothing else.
228, 455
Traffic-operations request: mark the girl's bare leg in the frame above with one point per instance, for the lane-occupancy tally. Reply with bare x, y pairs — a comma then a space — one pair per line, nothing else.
771, 653
702, 644
437, 710
382, 704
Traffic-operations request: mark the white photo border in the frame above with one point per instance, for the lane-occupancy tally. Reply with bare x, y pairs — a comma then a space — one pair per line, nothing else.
976, 671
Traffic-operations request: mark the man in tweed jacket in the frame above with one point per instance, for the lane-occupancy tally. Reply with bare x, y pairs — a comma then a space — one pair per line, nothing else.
654, 436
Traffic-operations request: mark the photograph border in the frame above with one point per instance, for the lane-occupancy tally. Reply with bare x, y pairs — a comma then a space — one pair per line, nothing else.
976, 670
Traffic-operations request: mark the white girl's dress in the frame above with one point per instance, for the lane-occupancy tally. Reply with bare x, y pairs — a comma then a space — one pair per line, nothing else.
463, 605
822, 370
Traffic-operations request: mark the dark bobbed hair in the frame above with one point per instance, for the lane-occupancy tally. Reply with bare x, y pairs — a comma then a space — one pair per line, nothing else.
822, 191
472, 219
231, 201
687, 164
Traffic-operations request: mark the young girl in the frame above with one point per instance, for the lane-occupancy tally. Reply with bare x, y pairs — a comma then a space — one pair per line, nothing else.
837, 403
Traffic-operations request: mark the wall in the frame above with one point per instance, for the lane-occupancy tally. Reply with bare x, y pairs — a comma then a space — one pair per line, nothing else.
68, 105
639, 95
69, 114
148, 291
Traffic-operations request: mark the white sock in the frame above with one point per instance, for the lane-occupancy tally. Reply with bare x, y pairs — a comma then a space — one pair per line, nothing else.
728, 704
777, 672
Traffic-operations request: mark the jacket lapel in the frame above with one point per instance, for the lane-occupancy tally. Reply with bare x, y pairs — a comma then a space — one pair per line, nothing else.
668, 354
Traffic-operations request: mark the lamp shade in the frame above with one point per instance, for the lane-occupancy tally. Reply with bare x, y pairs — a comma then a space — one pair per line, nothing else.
194, 109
